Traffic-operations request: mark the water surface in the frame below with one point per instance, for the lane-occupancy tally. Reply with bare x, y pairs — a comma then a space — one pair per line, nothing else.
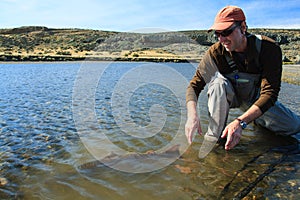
41, 149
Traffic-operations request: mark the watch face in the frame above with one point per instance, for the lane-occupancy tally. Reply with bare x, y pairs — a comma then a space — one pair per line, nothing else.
243, 124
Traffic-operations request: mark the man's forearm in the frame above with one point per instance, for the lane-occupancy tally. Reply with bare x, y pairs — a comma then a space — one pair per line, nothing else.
193, 122
251, 114
191, 109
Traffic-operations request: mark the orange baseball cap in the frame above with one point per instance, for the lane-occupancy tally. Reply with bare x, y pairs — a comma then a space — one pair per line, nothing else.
226, 17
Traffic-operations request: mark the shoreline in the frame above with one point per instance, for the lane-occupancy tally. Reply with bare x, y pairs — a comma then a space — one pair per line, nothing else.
290, 72
48, 58
52, 58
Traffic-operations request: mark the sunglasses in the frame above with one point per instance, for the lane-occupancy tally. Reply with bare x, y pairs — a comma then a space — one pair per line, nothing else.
226, 32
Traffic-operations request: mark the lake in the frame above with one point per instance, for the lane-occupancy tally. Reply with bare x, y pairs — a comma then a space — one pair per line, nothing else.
58, 119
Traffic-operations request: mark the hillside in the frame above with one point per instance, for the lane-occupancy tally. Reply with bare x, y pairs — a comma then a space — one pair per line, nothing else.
36, 43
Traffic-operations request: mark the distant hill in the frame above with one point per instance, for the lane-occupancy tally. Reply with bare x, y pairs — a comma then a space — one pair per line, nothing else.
38, 43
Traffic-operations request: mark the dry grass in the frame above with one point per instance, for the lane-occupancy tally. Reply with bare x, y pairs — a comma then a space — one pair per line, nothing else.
291, 74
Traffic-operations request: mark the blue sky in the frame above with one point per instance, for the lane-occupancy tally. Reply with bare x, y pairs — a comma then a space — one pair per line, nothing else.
130, 15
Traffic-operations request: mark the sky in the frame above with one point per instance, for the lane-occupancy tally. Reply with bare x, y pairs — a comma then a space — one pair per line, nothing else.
135, 15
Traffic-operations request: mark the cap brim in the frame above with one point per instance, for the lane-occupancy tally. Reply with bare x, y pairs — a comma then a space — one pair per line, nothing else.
220, 26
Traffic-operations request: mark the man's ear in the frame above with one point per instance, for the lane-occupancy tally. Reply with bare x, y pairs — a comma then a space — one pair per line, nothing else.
243, 27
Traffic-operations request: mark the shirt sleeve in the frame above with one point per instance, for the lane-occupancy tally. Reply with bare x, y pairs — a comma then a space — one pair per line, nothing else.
271, 63
207, 68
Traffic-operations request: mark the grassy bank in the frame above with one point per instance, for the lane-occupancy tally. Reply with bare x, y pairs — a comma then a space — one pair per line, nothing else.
291, 74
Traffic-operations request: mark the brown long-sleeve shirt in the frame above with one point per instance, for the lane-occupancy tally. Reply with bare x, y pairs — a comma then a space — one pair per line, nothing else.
268, 64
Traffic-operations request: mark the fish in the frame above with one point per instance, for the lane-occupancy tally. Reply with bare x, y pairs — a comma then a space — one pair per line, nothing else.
135, 162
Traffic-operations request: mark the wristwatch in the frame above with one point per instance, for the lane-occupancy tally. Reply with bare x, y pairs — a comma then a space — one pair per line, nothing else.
242, 123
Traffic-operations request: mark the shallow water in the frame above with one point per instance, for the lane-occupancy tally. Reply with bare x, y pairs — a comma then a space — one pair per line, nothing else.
42, 144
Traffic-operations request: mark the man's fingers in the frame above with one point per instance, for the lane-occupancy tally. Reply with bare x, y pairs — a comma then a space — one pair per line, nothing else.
189, 134
191, 126
233, 143
232, 140
224, 133
199, 129
229, 140
190, 138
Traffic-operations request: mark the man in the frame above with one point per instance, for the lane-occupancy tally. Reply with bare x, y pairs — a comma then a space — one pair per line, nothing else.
243, 71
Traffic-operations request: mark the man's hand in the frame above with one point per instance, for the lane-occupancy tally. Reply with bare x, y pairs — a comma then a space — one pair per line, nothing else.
233, 131
192, 124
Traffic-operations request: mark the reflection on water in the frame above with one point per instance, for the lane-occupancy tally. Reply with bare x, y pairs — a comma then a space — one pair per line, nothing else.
41, 150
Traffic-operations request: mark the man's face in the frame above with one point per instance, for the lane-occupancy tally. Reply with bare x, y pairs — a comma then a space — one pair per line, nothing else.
233, 41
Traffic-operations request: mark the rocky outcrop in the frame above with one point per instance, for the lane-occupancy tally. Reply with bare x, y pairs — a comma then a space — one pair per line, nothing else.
25, 29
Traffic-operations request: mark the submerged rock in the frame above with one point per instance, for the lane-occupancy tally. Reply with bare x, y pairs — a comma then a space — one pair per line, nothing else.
3, 181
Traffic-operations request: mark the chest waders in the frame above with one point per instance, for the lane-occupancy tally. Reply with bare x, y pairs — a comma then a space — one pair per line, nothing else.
246, 86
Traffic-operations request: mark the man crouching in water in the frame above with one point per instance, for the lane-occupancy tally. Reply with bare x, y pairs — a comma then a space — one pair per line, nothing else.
242, 71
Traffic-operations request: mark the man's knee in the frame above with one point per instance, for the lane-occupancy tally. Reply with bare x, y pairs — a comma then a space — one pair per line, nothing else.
280, 120
220, 87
